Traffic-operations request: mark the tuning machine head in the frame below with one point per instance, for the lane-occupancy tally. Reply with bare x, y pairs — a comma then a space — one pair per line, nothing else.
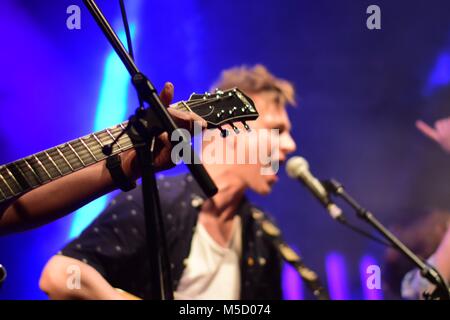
223, 132
235, 129
220, 114
246, 126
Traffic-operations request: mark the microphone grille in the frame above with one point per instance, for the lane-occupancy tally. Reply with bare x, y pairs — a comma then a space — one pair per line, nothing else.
295, 166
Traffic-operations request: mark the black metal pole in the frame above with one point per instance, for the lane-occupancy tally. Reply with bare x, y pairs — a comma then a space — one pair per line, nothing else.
150, 95
160, 121
160, 275
428, 272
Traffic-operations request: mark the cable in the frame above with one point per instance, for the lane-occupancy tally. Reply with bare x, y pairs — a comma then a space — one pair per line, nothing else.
364, 233
126, 26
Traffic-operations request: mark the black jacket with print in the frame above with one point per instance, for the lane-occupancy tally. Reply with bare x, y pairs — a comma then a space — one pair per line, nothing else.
115, 243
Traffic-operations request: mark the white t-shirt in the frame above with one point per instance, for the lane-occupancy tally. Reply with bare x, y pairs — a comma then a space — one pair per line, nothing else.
212, 271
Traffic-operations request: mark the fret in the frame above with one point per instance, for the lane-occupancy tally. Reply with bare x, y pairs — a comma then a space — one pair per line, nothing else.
20, 175
12, 176
117, 143
10, 181
94, 147
62, 164
96, 139
65, 159
4, 196
125, 137
99, 150
116, 130
48, 165
82, 153
89, 150
105, 140
53, 162
42, 166
76, 154
125, 142
28, 174
38, 178
6, 183
38, 169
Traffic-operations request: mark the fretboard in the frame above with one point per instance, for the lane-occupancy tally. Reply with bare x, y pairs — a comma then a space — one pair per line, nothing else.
30, 172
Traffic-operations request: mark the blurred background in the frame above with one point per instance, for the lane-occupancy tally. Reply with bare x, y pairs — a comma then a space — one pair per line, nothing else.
360, 92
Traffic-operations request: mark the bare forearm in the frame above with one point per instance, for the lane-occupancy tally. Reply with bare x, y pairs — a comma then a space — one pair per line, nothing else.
62, 196
55, 199
67, 278
87, 291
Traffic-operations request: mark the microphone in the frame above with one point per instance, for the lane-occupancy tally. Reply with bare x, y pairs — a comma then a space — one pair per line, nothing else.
298, 168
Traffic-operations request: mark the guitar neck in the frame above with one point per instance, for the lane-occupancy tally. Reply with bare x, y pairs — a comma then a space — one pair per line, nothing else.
28, 173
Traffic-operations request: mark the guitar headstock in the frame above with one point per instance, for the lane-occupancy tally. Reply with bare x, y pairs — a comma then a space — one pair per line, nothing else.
223, 107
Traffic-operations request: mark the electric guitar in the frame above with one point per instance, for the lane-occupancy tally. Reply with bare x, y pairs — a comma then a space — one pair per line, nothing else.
16, 178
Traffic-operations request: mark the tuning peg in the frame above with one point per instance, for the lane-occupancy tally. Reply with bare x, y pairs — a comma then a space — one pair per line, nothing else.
247, 109
236, 129
223, 132
246, 126
220, 114
232, 111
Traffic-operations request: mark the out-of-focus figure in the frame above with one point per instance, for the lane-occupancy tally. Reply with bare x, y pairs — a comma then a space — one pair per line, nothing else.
439, 133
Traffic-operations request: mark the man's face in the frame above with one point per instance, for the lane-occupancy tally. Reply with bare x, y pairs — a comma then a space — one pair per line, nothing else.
271, 137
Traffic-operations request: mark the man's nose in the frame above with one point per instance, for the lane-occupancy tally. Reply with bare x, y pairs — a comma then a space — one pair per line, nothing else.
287, 146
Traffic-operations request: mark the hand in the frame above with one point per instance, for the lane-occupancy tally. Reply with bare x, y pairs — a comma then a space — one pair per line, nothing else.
163, 146
64, 195
440, 133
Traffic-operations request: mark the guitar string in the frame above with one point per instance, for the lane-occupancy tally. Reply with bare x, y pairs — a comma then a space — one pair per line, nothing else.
87, 148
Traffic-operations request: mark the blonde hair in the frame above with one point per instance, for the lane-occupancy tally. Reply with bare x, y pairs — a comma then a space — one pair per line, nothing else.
256, 79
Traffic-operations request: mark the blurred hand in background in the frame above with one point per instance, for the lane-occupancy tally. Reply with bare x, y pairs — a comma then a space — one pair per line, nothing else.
439, 133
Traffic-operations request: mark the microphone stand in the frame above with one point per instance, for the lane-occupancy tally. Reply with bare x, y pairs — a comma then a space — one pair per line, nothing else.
144, 126
442, 291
